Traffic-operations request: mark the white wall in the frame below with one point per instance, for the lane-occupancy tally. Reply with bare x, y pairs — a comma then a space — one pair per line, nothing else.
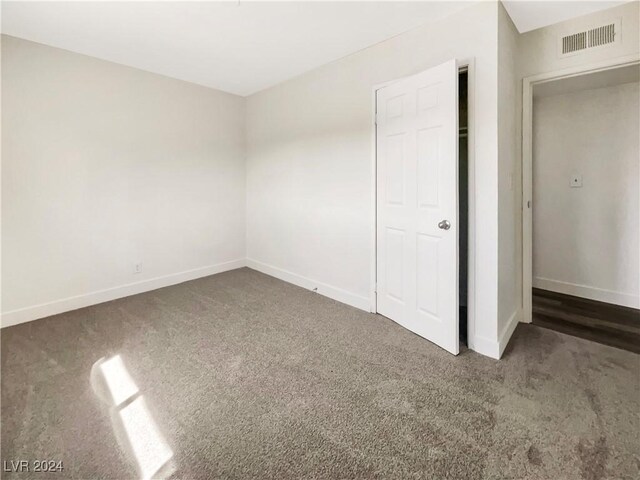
509, 184
310, 174
105, 166
585, 239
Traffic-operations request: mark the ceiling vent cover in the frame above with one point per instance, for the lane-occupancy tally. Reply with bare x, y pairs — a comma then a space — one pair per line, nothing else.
600, 36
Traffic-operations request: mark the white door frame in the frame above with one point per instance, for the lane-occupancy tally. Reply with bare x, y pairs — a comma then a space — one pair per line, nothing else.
469, 65
527, 160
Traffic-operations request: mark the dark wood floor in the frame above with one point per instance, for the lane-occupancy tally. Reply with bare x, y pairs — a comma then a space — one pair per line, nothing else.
601, 322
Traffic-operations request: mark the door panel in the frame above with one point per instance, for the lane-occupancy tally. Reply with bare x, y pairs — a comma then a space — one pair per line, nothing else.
428, 168
427, 262
395, 169
395, 271
417, 185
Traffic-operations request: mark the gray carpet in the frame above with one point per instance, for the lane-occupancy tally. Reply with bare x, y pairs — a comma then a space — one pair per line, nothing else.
245, 376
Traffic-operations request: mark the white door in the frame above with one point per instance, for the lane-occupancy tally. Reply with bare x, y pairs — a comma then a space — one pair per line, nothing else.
417, 204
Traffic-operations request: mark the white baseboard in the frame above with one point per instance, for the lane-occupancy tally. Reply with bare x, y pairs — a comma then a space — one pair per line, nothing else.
507, 331
35, 312
363, 303
495, 348
485, 346
585, 291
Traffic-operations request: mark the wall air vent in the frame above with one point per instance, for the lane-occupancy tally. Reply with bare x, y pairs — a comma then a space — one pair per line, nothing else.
589, 38
573, 43
602, 35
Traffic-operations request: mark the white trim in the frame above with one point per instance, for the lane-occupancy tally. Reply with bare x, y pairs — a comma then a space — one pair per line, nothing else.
495, 349
373, 296
469, 63
35, 312
507, 331
527, 160
357, 301
486, 347
586, 291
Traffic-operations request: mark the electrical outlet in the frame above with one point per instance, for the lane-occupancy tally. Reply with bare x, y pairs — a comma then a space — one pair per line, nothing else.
137, 267
576, 181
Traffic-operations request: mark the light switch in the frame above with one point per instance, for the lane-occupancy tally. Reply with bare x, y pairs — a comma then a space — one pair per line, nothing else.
576, 181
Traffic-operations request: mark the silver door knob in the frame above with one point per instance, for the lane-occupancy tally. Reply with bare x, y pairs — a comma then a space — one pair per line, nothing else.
444, 225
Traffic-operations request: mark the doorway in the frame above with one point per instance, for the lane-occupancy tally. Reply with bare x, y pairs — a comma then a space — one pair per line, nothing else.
581, 204
422, 203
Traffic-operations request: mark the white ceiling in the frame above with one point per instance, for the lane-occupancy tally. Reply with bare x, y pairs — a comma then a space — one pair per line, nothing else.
528, 15
240, 47
235, 48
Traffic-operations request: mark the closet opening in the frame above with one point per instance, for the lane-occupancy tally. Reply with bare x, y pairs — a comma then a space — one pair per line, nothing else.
463, 202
